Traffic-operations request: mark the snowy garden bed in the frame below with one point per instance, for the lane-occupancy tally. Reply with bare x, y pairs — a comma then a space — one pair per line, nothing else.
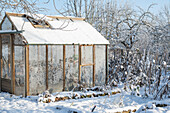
120, 103
46, 97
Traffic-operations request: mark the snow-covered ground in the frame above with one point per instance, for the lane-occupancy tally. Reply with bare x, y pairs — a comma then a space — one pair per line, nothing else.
105, 104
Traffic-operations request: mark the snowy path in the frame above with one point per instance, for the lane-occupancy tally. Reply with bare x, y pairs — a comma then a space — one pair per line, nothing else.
104, 104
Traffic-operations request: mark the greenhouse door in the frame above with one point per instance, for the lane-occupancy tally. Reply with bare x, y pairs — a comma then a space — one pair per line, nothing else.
7, 65
87, 65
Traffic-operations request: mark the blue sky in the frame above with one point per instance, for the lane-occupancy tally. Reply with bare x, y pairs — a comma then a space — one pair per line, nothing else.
144, 4
134, 3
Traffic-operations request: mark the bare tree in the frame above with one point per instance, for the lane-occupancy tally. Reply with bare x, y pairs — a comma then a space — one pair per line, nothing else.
19, 6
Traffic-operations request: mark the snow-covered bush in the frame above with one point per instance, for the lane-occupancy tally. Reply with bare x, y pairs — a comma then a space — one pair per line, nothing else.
141, 75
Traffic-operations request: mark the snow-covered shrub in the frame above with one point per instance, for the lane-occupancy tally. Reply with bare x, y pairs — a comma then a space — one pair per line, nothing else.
141, 75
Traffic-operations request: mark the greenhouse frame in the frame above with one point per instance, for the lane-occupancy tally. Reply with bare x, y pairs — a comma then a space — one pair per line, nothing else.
55, 53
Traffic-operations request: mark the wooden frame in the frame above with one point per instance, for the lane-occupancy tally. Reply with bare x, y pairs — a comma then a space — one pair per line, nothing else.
0, 62
12, 62
106, 80
79, 75
80, 63
26, 70
38, 25
54, 17
64, 60
1, 55
14, 14
72, 18
94, 65
46, 67
86, 64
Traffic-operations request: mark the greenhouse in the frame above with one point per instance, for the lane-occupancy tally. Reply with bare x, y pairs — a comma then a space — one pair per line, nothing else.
52, 53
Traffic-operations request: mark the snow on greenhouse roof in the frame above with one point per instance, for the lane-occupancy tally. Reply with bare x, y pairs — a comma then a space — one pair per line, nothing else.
61, 30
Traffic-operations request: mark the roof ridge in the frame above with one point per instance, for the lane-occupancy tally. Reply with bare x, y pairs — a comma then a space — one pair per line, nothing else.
53, 17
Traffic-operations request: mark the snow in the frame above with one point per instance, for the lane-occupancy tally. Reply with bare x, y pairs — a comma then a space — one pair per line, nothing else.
105, 104
63, 32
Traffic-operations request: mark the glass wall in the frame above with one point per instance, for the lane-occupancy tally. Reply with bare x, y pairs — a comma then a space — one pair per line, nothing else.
100, 56
55, 68
87, 71
87, 76
6, 57
19, 70
87, 54
6, 71
71, 68
37, 69
6, 25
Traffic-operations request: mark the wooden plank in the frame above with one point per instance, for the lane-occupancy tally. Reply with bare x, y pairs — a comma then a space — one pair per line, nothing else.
106, 64
6, 80
2, 22
14, 14
19, 45
26, 70
86, 64
79, 75
46, 67
38, 57
9, 55
41, 26
6, 85
12, 62
87, 45
94, 65
1, 55
64, 73
58, 17
0, 62
51, 54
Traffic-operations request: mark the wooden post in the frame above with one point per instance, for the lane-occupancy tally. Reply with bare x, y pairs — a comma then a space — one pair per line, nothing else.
46, 67
9, 57
26, 70
150, 78
38, 57
106, 65
12, 62
79, 76
51, 54
64, 58
0, 61
93, 65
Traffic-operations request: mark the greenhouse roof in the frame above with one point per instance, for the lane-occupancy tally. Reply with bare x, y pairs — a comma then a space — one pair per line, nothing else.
56, 30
